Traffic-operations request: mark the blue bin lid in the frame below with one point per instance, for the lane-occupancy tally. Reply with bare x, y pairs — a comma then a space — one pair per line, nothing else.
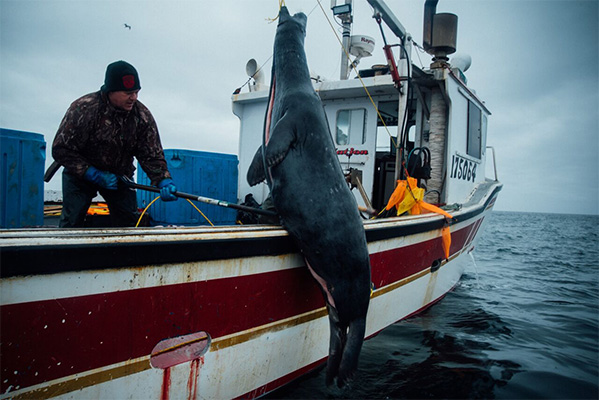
14, 134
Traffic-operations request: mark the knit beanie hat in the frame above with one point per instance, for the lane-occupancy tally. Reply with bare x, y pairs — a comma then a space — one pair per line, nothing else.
120, 76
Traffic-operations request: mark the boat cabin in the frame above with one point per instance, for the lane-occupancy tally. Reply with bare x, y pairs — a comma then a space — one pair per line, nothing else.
443, 117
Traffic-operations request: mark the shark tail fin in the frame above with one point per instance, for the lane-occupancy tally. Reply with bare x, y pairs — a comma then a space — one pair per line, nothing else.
344, 350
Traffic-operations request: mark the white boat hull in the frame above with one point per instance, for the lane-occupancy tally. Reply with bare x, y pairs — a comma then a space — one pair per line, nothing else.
257, 344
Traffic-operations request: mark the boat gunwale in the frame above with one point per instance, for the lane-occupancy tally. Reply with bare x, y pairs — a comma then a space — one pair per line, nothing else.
176, 232
39, 257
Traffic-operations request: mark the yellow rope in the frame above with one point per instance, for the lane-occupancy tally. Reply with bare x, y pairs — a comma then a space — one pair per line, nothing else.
144, 211
358, 75
281, 4
194, 206
152, 202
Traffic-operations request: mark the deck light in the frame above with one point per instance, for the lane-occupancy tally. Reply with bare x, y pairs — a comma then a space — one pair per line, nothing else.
342, 9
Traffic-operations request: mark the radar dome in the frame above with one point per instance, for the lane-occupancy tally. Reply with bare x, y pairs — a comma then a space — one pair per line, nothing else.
361, 45
461, 61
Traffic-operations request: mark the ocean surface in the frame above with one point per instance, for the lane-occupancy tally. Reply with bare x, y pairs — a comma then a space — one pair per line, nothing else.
523, 323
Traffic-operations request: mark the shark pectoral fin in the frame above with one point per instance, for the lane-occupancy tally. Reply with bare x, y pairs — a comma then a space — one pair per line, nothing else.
281, 138
255, 173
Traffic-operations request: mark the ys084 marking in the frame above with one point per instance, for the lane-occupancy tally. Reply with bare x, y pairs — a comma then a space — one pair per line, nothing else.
462, 168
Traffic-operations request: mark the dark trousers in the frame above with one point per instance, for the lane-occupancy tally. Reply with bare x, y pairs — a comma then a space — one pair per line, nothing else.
77, 195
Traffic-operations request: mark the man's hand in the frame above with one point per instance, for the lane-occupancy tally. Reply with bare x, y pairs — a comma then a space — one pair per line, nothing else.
167, 190
105, 179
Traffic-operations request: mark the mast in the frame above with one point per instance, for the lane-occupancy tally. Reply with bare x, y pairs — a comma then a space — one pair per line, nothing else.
344, 13
404, 68
390, 19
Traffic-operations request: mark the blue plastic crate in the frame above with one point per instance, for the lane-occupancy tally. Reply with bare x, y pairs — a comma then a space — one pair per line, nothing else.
23, 157
202, 173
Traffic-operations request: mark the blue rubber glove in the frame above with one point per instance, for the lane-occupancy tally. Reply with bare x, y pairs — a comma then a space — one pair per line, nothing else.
167, 190
105, 179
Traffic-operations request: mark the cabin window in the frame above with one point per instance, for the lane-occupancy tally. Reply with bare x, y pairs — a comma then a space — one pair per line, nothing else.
384, 131
473, 147
351, 127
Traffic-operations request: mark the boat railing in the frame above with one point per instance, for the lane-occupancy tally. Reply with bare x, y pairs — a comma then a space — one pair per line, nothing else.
494, 163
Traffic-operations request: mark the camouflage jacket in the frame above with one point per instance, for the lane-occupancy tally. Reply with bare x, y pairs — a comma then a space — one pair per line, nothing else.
94, 132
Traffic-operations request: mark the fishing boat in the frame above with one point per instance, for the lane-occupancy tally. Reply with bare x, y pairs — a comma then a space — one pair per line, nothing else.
232, 311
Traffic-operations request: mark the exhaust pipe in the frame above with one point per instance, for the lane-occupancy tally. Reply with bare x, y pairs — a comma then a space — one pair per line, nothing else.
430, 8
440, 34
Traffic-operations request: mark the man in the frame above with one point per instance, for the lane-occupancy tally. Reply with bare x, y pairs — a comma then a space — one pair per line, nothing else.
97, 139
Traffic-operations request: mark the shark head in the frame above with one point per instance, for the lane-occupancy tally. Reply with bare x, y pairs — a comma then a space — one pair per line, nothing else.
296, 22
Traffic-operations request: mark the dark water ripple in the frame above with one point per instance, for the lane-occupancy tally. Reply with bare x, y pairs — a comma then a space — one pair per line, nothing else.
523, 323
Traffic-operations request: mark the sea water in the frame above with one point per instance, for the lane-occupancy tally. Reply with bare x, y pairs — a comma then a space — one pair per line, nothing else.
522, 323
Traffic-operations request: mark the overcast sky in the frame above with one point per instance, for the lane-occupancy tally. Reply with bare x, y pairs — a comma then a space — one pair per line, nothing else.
535, 64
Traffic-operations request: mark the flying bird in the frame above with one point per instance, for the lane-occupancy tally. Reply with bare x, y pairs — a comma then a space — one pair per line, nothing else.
127, 26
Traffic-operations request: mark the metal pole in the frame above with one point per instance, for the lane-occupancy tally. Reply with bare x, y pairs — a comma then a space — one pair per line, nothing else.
494, 163
405, 71
390, 19
221, 203
346, 20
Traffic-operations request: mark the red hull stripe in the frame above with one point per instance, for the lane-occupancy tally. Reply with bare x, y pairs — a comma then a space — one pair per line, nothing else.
46, 340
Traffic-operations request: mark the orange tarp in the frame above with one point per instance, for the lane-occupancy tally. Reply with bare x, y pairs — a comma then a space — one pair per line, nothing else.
408, 197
